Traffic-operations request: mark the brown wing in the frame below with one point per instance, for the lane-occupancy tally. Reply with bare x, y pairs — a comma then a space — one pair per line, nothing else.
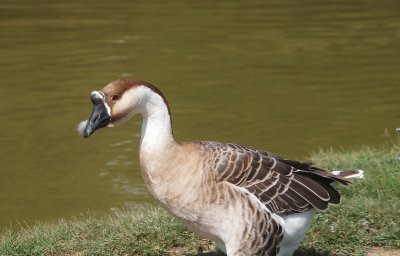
282, 185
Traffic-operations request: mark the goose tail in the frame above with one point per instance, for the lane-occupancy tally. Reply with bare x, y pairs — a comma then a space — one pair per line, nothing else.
349, 174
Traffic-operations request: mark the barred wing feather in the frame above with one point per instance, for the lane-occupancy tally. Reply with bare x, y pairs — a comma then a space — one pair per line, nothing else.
282, 185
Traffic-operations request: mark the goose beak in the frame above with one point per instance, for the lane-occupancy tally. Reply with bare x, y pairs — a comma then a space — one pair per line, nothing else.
100, 116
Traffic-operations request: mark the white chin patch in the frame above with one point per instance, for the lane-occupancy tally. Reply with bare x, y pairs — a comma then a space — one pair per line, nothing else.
81, 127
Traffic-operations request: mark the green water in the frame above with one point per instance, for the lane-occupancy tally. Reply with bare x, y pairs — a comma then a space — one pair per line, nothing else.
285, 76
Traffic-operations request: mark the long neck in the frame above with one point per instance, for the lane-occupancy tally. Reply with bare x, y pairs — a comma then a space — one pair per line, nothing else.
156, 134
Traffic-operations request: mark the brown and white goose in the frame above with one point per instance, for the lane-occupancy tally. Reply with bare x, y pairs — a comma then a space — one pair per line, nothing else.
250, 202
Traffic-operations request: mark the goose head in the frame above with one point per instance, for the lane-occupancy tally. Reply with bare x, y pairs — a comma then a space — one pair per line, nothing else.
117, 102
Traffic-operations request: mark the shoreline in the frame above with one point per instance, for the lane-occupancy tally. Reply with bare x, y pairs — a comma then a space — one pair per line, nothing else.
366, 219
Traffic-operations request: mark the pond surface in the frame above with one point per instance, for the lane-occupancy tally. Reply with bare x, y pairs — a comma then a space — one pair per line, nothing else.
290, 77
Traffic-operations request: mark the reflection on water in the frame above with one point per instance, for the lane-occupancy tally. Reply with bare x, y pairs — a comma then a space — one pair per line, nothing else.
289, 77
122, 182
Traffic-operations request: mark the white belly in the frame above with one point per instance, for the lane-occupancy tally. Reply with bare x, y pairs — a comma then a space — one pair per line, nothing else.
295, 227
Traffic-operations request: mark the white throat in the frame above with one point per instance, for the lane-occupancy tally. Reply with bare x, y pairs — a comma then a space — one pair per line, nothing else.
157, 141
156, 136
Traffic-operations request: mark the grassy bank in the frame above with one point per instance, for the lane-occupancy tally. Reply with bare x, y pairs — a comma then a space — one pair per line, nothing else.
369, 216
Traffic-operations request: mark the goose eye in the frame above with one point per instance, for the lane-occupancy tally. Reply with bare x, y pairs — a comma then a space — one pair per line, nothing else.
115, 97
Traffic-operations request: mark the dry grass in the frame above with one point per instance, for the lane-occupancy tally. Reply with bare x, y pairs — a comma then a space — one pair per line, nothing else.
377, 251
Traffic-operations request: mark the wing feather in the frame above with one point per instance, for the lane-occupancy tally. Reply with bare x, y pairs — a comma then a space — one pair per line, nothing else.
282, 185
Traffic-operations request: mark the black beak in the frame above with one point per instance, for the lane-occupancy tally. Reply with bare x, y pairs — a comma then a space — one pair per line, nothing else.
100, 116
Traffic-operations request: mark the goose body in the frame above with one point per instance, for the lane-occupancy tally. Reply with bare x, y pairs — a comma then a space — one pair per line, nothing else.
250, 202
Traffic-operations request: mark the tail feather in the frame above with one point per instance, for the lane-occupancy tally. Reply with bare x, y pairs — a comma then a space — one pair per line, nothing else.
349, 174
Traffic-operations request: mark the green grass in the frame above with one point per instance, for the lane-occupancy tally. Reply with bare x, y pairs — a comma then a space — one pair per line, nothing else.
148, 232
369, 216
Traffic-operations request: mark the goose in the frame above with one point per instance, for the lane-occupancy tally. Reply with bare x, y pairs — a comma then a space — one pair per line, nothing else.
248, 201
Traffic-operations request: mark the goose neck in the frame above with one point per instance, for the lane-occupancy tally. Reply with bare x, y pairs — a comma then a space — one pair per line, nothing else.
156, 136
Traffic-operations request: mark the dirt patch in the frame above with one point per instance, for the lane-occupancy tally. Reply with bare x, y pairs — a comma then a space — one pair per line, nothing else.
378, 251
